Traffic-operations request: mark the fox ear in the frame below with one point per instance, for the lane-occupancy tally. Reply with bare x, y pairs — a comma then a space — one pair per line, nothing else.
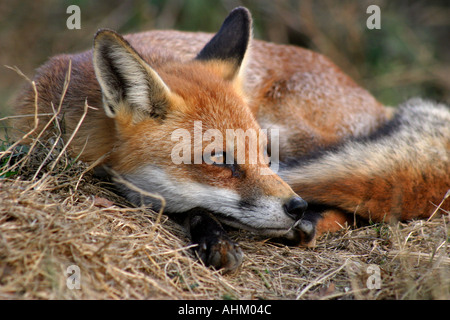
231, 42
126, 80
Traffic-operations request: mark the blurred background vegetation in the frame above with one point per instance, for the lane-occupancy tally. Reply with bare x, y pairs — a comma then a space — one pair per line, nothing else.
408, 56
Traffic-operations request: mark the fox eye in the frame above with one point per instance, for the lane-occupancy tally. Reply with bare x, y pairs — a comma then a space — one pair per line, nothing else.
218, 158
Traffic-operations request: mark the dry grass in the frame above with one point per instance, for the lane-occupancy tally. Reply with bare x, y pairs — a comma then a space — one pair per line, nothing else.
54, 214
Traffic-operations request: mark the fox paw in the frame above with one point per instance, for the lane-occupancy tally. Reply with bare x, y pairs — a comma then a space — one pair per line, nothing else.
220, 252
303, 234
306, 233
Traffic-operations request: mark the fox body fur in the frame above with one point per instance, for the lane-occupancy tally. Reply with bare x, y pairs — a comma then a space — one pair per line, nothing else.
340, 149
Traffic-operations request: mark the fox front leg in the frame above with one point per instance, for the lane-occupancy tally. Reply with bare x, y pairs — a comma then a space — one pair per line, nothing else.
214, 246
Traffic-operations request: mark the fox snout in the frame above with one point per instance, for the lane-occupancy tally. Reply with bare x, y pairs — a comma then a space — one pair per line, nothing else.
295, 207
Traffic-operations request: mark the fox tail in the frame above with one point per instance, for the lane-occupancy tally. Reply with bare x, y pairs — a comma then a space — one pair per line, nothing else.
400, 172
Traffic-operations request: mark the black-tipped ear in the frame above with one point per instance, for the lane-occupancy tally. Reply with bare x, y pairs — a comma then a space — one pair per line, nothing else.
231, 42
126, 80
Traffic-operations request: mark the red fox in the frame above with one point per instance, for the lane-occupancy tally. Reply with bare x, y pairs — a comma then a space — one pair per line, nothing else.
341, 153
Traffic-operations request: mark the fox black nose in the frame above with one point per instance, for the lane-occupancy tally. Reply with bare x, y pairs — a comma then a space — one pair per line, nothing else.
295, 207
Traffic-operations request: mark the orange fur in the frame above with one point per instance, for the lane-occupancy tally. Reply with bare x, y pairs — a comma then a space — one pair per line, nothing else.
333, 220
301, 93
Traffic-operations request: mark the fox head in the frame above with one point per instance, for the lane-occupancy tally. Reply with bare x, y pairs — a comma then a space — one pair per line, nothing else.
151, 99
